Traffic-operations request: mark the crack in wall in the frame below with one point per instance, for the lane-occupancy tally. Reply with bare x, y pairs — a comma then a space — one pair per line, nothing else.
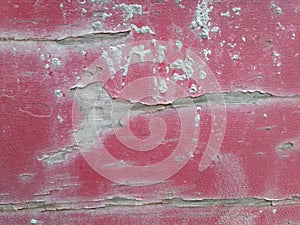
231, 97
117, 201
71, 40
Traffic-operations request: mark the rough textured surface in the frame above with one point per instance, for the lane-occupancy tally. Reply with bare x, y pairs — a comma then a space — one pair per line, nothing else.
68, 64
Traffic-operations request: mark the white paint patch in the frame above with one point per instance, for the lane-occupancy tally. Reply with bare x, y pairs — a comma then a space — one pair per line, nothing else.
161, 85
161, 53
235, 57
185, 65
138, 51
226, 14
193, 88
58, 93
215, 29
142, 30
56, 62
96, 24
278, 10
202, 75
42, 57
236, 10
109, 62
115, 63
232, 45
83, 11
33, 221
60, 119
201, 18
197, 120
277, 59
130, 10
117, 53
206, 53
106, 15
177, 77
178, 45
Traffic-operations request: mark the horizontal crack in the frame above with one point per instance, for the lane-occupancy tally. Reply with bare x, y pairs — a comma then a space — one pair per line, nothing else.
229, 98
87, 95
137, 202
86, 38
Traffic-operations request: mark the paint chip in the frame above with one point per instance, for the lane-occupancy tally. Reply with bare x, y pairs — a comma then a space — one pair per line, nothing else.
58, 93
202, 75
33, 221
56, 62
226, 14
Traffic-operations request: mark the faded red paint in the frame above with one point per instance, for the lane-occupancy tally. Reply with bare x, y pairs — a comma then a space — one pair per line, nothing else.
41, 167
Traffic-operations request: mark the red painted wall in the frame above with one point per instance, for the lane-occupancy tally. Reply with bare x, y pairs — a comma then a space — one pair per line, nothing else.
159, 112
